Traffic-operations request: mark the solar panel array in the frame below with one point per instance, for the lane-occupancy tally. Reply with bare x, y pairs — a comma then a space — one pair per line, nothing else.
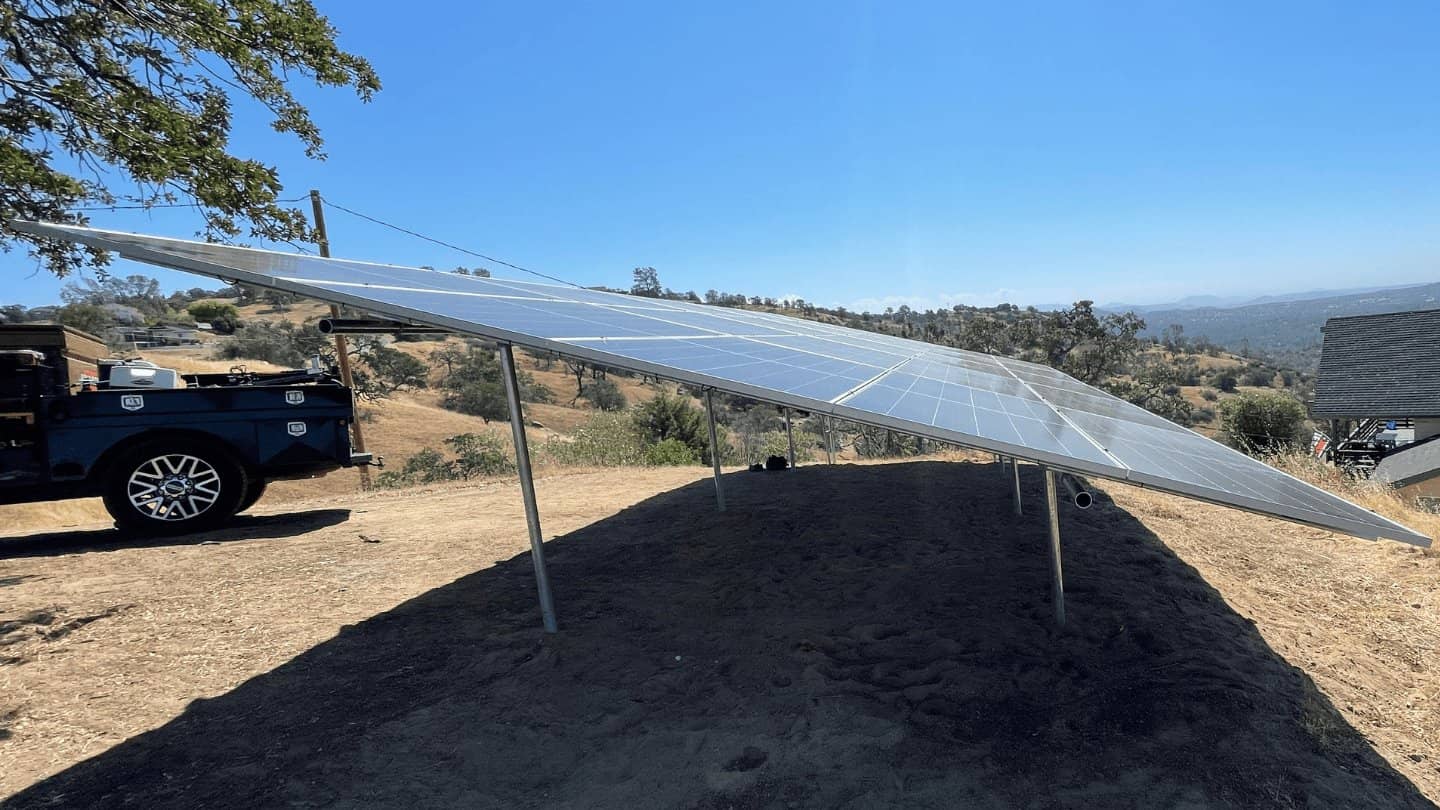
976, 400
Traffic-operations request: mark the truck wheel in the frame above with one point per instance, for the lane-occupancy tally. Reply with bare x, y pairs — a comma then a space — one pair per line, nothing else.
167, 487
253, 492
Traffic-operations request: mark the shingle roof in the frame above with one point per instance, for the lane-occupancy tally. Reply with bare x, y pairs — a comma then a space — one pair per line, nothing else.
1380, 365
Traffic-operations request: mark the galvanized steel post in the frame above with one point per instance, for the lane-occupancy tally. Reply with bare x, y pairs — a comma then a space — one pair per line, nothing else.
829, 440
527, 488
1015, 468
715, 451
790, 436
1057, 581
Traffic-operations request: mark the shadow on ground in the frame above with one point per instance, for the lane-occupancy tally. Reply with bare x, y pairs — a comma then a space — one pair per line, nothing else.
842, 637
243, 527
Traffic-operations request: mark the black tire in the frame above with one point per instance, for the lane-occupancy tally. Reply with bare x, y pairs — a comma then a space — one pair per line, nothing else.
173, 486
253, 493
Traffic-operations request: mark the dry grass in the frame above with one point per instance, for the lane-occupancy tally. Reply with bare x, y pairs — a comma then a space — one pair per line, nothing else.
1372, 495
1360, 618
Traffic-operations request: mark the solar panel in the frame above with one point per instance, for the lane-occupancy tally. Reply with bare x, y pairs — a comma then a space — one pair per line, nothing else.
975, 400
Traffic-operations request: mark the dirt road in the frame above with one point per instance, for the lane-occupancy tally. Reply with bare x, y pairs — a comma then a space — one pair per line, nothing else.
854, 636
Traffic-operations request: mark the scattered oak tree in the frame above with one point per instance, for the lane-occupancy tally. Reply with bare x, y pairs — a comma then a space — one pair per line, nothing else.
646, 282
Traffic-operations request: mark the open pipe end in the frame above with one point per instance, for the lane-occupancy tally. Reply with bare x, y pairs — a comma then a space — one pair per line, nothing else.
1079, 495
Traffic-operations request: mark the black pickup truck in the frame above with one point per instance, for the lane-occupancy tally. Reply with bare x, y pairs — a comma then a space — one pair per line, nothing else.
167, 452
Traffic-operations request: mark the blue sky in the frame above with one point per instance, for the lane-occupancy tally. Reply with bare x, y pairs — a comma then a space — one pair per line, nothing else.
870, 154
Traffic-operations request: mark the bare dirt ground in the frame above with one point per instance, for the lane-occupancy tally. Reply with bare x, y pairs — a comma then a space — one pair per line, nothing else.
850, 636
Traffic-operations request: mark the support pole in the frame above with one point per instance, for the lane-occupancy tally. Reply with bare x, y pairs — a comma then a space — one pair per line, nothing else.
715, 451
342, 350
1015, 468
829, 440
527, 487
1057, 581
790, 436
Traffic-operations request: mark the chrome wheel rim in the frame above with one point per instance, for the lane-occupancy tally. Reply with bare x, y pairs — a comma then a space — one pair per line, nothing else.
173, 487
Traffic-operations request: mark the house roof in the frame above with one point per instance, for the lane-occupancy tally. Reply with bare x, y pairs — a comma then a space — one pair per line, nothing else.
1384, 365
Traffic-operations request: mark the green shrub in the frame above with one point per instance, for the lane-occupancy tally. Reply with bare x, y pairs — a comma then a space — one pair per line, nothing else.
532, 391
1258, 378
605, 395
223, 317
474, 383
282, 344
605, 440
1257, 422
670, 453
425, 467
392, 370
89, 318
483, 398
1208, 395
673, 417
476, 455
761, 446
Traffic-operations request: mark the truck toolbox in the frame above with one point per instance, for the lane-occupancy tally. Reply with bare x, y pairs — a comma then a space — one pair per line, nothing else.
80, 351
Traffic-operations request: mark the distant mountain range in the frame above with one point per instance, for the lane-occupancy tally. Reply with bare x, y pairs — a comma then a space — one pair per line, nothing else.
1285, 327
1232, 301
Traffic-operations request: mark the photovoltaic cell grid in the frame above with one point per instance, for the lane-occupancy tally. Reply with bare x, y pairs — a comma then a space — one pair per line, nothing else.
976, 400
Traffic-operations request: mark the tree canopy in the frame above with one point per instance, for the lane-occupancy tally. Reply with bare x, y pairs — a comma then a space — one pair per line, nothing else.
646, 282
122, 101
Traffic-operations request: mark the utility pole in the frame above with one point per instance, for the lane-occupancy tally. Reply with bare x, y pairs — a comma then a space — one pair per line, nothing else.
342, 351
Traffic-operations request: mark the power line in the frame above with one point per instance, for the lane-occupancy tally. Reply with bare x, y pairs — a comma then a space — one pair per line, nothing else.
443, 243
352, 212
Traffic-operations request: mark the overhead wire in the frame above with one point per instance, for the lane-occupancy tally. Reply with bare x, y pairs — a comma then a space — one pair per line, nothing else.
449, 245
376, 220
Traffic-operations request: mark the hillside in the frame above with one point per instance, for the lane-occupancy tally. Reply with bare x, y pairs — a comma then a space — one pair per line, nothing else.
1288, 331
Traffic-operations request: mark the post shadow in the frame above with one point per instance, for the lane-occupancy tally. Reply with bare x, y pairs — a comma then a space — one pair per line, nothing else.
841, 636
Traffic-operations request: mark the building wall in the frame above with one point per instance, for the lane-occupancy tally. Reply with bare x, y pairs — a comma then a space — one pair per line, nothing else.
1425, 428
1429, 488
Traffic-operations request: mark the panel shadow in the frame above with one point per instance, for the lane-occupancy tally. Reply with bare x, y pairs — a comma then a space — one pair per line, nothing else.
844, 636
